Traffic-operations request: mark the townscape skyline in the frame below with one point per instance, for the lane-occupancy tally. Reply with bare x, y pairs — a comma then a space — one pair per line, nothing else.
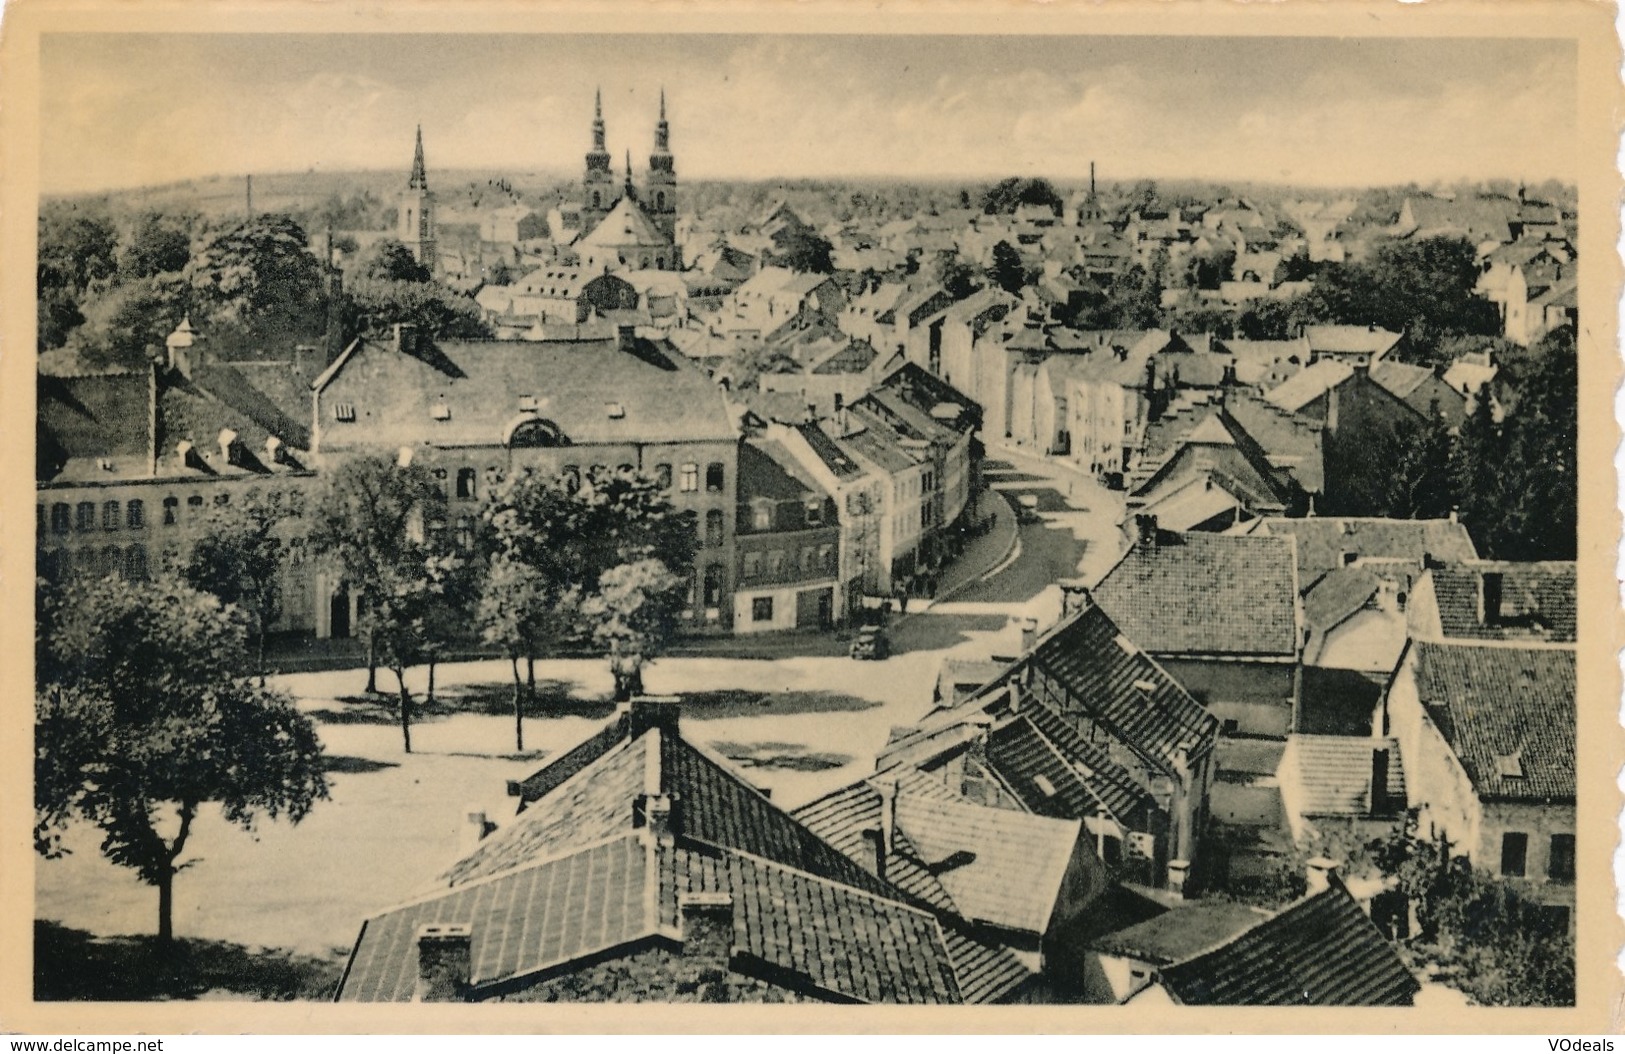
118, 114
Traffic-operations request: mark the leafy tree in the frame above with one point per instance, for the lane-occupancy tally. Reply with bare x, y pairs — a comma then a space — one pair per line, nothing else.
1207, 270
58, 315
130, 323
261, 275
1007, 271
158, 244
76, 248
238, 559
142, 719
390, 260
517, 607
371, 521
1402, 472
805, 250
1009, 194
374, 305
633, 615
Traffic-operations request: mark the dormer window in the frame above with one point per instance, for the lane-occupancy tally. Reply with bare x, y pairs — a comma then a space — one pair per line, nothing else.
344, 411
615, 411
527, 403
1509, 766
440, 411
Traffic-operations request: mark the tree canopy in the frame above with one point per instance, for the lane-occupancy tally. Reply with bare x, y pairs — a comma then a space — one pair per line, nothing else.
142, 718
1007, 195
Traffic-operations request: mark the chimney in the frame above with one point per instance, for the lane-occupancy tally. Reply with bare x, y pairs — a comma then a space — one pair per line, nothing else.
874, 852
183, 454
1179, 876
1029, 634
707, 924
474, 829
227, 441
626, 336
445, 963
178, 347
888, 818
1491, 586
1321, 874
658, 812
1075, 597
1379, 781
1388, 597
1145, 527
406, 338
273, 450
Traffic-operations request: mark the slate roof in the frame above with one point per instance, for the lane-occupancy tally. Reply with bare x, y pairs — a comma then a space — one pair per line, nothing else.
1206, 594
1309, 384
1333, 339
1332, 774
1537, 601
854, 357
830, 452
1183, 931
1039, 744
577, 875
1338, 595
1322, 541
660, 394
81, 419
1320, 951
1496, 701
1400, 378
625, 225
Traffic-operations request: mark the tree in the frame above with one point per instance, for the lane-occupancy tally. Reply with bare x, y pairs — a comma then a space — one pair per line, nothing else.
633, 615
373, 522
261, 276
58, 316
1011, 193
1007, 271
374, 305
142, 719
390, 260
76, 247
238, 559
158, 245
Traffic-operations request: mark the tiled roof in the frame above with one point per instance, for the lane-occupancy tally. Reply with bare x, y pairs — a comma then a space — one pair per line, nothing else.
1088, 663
592, 389
1320, 951
1309, 384
1219, 449
854, 357
1054, 771
1335, 339
84, 418
1199, 593
1332, 774
1497, 704
1338, 595
1323, 541
524, 920
1183, 931
1001, 867
1537, 601
829, 452
1401, 378
841, 817
625, 225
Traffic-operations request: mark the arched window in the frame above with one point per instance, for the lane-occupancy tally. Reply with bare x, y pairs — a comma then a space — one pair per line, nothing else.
713, 586
713, 477
660, 199
467, 482
713, 527
135, 563
135, 515
595, 199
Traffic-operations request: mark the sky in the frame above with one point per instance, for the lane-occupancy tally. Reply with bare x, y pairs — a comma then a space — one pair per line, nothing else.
122, 110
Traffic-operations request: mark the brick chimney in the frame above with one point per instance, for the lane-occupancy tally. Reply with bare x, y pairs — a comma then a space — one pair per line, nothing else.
1029, 634
273, 451
1179, 876
1379, 781
445, 963
406, 338
626, 337
648, 712
706, 921
874, 852
659, 813
1145, 529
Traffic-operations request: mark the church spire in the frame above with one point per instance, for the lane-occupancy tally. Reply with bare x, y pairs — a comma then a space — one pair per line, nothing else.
598, 119
420, 175
629, 192
662, 130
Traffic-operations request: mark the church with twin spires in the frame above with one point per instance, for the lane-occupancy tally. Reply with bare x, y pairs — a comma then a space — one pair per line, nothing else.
612, 228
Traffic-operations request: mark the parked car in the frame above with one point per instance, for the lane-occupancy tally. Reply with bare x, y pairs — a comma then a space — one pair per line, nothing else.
870, 644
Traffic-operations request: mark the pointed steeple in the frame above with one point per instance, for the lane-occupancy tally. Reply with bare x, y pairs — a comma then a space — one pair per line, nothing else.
598, 120
662, 130
629, 174
420, 175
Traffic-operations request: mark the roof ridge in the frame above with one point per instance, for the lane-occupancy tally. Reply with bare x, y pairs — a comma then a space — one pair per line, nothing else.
509, 872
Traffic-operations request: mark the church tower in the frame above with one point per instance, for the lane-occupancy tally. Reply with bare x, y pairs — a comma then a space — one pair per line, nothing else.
660, 197
598, 184
416, 226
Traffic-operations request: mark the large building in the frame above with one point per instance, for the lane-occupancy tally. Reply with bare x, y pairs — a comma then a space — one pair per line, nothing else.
627, 229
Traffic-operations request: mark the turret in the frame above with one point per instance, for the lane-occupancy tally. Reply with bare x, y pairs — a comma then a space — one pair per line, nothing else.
660, 199
416, 227
597, 184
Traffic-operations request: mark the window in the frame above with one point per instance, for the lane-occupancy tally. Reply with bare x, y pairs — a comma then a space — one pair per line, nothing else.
222, 498
465, 532
1347, 557
753, 564
761, 516
135, 515
713, 527
815, 513
1560, 862
39, 519
713, 586
344, 411
663, 476
1514, 848
85, 519
809, 561
135, 563
826, 557
713, 477
467, 482
761, 609
195, 502
59, 518
688, 479
775, 562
